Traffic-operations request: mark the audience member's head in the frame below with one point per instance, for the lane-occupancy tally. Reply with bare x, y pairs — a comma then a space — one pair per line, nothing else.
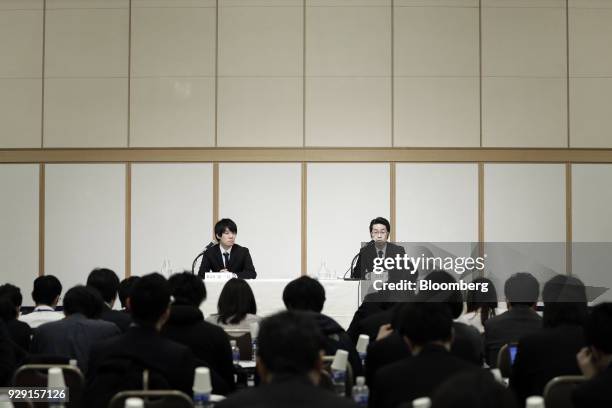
565, 302
522, 289
125, 288
481, 302
149, 302
304, 293
474, 389
424, 323
106, 282
452, 298
13, 293
236, 300
187, 289
599, 335
289, 342
8, 311
47, 289
83, 300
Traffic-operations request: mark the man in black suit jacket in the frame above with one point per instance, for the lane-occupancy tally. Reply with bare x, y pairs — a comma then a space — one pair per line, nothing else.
227, 256
289, 364
106, 282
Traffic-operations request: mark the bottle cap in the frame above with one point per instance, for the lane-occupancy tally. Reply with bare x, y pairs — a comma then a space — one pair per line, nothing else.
254, 328
233, 343
362, 343
134, 402
360, 381
201, 381
535, 401
55, 378
340, 360
424, 402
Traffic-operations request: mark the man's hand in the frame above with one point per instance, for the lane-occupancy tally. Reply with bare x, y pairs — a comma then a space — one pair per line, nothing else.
584, 359
384, 331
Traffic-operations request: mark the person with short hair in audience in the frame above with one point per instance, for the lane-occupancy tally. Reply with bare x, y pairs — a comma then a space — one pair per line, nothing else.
289, 364
106, 282
551, 351
427, 328
186, 325
125, 288
473, 389
480, 306
73, 336
10, 305
46, 294
307, 294
595, 361
236, 307
522, 291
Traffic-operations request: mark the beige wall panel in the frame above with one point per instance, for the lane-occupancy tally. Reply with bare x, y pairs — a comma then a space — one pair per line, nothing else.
437, 112
261, 3
84, 220
524, 112
342, 200
348, 41
20, 112
174, 3
590, 37
523, 42
432, 41
86, 4
19, 226
86, 43
435, 3
260, 112
21, 5
348, 3
348, 112
86, 112
21, 45
524, 3
591, 112
171, 214
260, 41
172, 112
173, 41
265, 202
590, 3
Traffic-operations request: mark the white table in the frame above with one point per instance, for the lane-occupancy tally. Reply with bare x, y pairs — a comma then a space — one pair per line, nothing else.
341, 297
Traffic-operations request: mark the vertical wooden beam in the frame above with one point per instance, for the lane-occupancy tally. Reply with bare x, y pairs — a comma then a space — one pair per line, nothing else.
129, 78
481, 210
304, 227
568, 218
128, 220
392, 199
215, 214
41, 219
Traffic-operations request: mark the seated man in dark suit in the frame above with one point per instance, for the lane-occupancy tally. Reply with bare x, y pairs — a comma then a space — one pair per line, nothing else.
522, 291
378, 247
106, 282
427, 329
226, 256
74, 336
595, 361
289, 364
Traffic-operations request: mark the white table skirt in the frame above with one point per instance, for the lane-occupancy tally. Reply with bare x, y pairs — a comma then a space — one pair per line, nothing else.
342, 298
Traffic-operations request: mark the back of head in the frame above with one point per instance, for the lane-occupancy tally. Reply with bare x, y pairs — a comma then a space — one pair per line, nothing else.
149, 299
599, 328
473, 389
13, 293
484, 302
8, 311
289, 342
236, 300
187, 289
522, 289
565, 302
47, 289
426, 322
104, 281
83, 300
125, 289
304, 293
452, 298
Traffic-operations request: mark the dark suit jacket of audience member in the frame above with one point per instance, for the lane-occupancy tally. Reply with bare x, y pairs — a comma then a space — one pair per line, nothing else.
240, 262
207, 341
72, 337
8, 359
367, 254
286, 391
508, 327
20, 332
384, 352
543, 355
595, 393
121, 319
415, 377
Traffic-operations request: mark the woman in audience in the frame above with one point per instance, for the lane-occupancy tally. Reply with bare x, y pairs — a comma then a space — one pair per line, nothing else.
236, 308
10, 304
480, 306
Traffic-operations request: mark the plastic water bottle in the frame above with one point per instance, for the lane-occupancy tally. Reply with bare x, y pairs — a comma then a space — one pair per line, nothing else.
202, 388
361, 392
235, 352
362, 347
254, 329
338, 372
535, 401
55, 379
134, 402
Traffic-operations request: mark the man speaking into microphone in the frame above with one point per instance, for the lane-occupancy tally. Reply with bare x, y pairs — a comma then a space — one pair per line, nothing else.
227, 256
379, 247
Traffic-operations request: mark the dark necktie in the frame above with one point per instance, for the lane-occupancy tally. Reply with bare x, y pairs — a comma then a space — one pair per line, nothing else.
380, 254
226, 257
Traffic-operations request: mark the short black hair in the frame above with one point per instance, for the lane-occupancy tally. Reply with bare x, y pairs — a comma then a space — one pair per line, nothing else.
426, 322
104, 281
13, 293
149, 299
236, 300
382, 221
84, 300
46, 289
599, 328
483, 302
304, 293
452, 298
289, 342
8, 310
522, 289
187, 289
225, 224
474, 389
125, 288
565, 302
